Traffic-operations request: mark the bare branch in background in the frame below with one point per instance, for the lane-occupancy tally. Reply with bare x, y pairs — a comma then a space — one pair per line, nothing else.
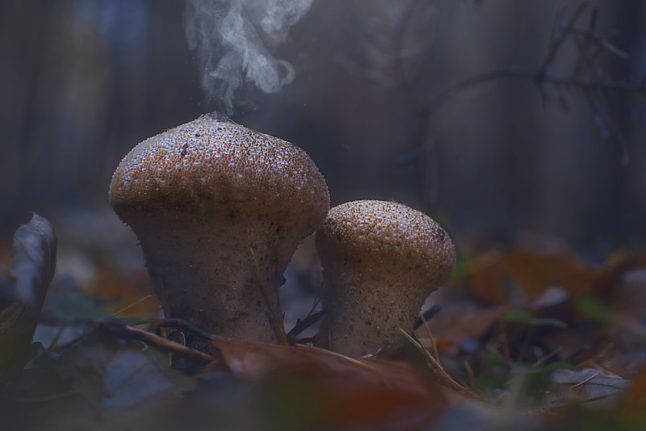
588, 76
558, 81
392, 39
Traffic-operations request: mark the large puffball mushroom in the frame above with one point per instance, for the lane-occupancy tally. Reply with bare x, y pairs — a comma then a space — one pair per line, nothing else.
380, 261
219, 210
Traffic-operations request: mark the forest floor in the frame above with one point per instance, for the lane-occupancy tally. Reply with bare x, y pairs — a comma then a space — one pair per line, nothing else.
524, 338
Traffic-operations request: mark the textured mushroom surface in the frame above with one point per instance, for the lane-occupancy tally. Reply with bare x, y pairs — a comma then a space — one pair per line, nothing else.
200, 197
211, 160
380, 261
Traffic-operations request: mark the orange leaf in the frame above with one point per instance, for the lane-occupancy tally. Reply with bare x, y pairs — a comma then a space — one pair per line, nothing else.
535, 271
457, 324
634, 406
486, 279
356, 391
130, 291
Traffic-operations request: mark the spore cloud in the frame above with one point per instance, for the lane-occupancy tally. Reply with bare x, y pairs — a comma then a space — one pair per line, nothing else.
235, 41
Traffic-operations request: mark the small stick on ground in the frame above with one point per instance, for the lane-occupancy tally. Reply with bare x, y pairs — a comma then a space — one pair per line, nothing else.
302, 325
439, 368
130, 306
130, 332
431, 337
184, 325
274, 314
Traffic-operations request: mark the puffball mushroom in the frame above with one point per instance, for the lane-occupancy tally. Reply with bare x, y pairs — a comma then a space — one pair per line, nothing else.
219, 210
380, 261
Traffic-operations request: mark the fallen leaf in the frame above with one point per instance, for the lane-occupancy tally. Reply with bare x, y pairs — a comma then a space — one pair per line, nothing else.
32, 270
129, 292
457, 323
535, 272
130, 377
356, 391
585, 385
485, 278
33, 262
633, 406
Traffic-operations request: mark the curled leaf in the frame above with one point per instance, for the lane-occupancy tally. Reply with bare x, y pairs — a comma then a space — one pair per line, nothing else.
32, 269
33, 261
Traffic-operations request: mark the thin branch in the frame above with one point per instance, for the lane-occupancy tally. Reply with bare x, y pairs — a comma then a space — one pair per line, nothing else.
274, 313
557, 43
130, 332
185, 326
431, 337
302, 325
427, 315
130, 306
539, 78
449, 380
601, 42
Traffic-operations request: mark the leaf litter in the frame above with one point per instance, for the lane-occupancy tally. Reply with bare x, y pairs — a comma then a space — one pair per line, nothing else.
521, 339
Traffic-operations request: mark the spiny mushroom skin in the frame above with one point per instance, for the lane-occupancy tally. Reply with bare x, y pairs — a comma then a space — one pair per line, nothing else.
200, 197
380, 261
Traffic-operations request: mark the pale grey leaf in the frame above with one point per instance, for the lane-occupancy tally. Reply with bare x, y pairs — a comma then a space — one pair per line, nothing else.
33, 262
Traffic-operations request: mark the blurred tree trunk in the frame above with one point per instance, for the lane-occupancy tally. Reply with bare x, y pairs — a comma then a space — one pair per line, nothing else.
24, 30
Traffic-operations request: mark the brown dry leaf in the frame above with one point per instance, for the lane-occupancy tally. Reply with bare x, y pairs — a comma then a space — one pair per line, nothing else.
457, 323
356, 391
486, 277
633, 407
130, 291
629, 295
535, 271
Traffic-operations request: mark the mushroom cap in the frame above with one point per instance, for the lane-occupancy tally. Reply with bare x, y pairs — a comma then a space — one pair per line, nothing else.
384, 235
215, 163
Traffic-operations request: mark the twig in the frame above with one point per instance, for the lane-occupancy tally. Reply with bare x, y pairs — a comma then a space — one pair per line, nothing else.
430, 335
302, 325
505, 340
584, 45
274, 314
316, 302
439, 368
557, 80
186, 326
540, 361
46, 398
586, 380
526, 343
555, 44
130, 332
470, 373
134, 304
596, 89
598, 103
427, 315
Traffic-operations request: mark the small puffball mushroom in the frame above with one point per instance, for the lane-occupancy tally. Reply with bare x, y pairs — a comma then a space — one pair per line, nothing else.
380, 261
200, 198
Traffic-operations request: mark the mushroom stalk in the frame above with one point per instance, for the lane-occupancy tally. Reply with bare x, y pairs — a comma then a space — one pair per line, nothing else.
208, 278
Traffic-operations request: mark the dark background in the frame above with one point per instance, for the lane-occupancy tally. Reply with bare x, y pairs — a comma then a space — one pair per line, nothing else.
81, 82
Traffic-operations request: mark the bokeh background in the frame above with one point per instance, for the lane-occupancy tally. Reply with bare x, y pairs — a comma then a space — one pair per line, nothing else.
518, 124
500, 161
